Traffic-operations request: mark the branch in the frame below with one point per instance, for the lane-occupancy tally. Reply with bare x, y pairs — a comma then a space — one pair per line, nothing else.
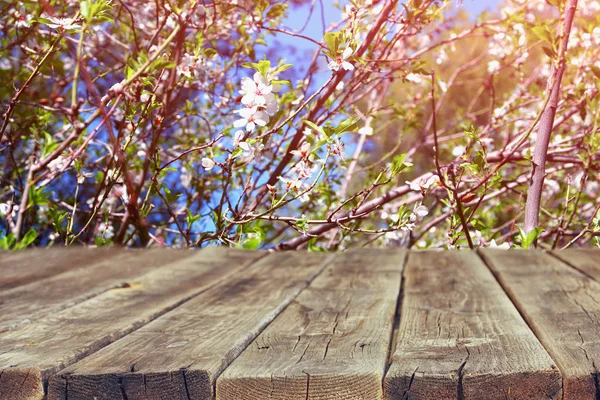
538, 172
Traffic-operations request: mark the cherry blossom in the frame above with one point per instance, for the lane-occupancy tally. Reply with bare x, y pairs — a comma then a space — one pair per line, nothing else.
423, 185
208, 163
303, 152
257, 92
342, 61
418, 212
503, 246
62, 23
251, 117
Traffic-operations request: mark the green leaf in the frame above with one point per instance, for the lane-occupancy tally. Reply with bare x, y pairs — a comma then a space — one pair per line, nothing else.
191, 218
277, 11
347, 125
529, 239
314, 126
236, 153
264, 66
27, 239
84, 8
210, 52
282, 68
332, 41
543, 33
7, 242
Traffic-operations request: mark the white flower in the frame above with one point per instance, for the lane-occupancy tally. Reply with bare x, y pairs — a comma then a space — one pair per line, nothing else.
238, 136
420, 186
337, 147
341, 62
419, 211
493, 66
5, 64
443, 86
291, 184
145, 97
303, 152
256, 92
64, 23
23, 18
4, 207
408, 227
117, 88
503, 246
188, 65
248, 150
414, 78
58, 164
108, 231
458, 150
303, 170
208, 163
366, 130
250, 118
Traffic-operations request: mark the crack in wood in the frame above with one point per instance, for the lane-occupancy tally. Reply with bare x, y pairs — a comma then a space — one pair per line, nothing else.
307, 383
185, 384
405, 395
122, 388
459, 387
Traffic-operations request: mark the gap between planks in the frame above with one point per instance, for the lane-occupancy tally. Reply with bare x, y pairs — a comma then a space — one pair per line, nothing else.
461, 337
332, 342
557, 301
197, 340
52, 343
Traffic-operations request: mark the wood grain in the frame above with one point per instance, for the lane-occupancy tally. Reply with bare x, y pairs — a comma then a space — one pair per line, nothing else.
179, 355
460, 337
562, 306
585, 260
25, 304
21, 268
28, 356
332, 342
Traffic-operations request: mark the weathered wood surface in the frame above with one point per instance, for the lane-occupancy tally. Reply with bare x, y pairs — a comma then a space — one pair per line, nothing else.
584, 260
180, 355
22, 305
461, 337
332, 342
28, 356
562, 306
21, 268
224, 324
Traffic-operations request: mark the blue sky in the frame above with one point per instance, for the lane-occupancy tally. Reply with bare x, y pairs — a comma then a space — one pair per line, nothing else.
300, 51
297, 17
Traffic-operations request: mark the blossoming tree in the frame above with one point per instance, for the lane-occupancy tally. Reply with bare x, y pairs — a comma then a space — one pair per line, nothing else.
179, 123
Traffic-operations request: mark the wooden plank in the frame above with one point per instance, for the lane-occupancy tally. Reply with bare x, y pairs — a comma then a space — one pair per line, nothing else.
23, 305
179, 355
585, 260
21, 268
332, 342
29, 355
562, 306
460, 337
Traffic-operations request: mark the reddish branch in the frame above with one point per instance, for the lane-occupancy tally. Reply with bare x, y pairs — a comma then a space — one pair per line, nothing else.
385, 14
538, 172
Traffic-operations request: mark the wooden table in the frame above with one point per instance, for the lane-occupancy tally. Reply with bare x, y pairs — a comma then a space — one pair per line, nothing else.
236, 325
